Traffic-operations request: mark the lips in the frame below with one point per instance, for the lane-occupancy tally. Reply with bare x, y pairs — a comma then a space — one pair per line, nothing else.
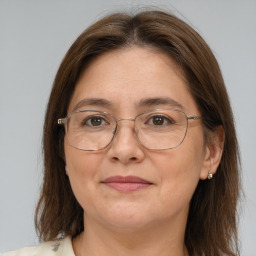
127, 183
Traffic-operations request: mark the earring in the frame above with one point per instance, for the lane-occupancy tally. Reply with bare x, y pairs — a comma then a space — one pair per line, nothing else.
210, 175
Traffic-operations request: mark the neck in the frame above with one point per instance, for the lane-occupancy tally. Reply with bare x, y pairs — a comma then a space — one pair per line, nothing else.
160, 240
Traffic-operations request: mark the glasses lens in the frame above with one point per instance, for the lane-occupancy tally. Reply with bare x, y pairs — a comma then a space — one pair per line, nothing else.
161, 129
90, 130
94, 130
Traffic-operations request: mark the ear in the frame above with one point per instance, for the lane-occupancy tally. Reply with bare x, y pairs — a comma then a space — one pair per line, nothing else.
213, 152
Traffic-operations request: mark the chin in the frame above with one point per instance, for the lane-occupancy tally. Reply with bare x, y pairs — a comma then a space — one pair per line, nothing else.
127, 224
125, 216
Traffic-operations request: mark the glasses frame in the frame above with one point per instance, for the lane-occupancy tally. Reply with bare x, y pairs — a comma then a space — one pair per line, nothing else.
63, 121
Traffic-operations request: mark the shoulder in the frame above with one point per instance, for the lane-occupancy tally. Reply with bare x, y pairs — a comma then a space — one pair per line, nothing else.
53, 248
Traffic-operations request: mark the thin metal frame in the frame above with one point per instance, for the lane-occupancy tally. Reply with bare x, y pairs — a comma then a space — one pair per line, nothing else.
63, 121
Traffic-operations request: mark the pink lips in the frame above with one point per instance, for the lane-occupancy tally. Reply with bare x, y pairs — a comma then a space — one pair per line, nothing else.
126, 183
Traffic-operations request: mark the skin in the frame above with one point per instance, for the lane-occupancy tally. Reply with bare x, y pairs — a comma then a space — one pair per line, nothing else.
149, 221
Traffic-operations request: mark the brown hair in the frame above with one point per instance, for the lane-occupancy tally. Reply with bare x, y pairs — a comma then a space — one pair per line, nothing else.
212, 222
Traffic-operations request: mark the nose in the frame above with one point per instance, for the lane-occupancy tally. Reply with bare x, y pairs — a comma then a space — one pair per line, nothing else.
125, 147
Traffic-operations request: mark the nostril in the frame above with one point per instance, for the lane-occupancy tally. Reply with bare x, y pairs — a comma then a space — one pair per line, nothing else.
115, 159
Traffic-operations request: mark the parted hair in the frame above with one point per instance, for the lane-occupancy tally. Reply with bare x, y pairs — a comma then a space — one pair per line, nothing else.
212, 221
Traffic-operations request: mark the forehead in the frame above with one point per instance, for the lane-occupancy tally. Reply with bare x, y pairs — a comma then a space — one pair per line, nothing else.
128, 76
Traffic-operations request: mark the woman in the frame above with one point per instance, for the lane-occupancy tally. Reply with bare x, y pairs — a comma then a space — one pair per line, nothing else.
140, 156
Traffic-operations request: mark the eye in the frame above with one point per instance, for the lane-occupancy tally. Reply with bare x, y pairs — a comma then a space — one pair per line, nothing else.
159, 120
95, 121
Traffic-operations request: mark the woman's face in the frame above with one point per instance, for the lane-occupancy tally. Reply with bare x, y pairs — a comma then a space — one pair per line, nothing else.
124, 78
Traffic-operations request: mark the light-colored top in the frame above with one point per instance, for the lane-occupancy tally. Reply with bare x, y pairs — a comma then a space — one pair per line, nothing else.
60, 248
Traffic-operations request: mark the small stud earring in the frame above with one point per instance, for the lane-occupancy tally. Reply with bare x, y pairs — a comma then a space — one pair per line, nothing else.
210, 175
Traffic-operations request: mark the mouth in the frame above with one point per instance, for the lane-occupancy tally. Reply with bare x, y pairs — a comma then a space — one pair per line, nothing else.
127, 183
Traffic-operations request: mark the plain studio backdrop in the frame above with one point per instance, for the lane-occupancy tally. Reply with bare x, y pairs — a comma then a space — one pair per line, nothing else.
35, 35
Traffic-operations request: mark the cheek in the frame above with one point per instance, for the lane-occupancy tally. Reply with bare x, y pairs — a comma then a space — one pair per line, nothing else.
181, 169
182, 162
79, 163
81, 169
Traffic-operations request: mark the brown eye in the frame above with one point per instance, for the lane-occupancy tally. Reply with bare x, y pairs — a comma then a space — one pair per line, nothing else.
95, 121
158, 120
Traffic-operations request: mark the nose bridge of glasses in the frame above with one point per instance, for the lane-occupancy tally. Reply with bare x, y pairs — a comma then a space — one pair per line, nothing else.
122, 119
125, 119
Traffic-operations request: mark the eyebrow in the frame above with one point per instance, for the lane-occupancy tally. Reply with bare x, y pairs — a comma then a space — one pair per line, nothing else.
149, 102
93, 102
146, 102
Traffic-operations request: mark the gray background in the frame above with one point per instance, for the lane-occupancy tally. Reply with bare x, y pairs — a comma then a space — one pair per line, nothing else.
34, 36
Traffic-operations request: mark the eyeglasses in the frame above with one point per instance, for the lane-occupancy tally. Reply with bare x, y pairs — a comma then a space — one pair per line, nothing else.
160, 129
